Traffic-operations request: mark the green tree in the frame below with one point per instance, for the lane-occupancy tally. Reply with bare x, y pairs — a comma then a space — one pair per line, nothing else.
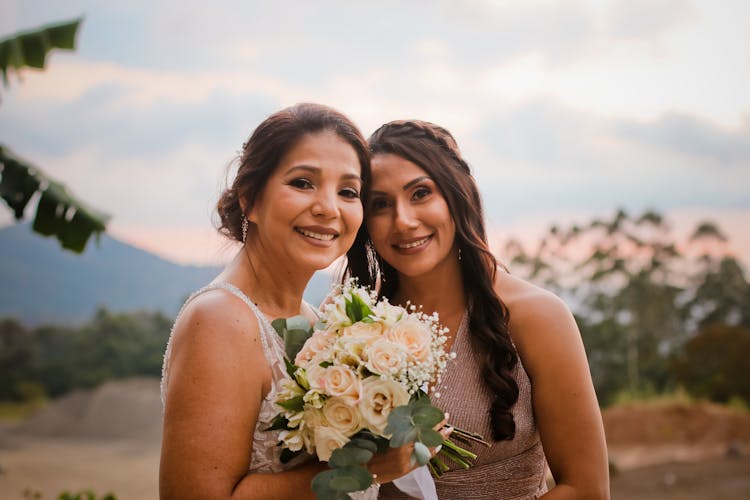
58, 213
638, 295
714, 364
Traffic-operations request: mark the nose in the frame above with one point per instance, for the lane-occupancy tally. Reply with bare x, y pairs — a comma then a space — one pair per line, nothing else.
404, 217
325, 204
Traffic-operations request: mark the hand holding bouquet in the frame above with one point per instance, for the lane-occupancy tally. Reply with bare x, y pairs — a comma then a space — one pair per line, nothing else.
357, 385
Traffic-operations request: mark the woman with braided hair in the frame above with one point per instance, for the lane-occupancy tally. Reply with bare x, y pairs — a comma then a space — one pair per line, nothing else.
520, 377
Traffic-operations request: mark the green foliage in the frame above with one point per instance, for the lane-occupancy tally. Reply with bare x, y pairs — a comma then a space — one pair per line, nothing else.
295, 331
30, 49
52, 360
714, 363
85, 495
58, 212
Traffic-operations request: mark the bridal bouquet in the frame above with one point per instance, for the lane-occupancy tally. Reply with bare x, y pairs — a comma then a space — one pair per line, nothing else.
357, 384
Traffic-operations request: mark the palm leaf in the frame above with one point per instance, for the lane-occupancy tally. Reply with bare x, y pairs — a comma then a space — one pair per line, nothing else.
30, 48
58, 212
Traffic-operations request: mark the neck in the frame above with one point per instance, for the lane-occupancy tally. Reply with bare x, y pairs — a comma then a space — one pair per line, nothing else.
440, 290
275, 288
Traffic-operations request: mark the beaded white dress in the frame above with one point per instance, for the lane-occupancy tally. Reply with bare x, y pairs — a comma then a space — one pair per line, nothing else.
266, 454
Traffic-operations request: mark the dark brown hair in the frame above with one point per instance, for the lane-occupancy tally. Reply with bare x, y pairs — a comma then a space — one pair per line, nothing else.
268, 144
434, 149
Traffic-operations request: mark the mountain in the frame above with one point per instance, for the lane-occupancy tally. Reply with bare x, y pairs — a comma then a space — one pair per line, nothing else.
41, 283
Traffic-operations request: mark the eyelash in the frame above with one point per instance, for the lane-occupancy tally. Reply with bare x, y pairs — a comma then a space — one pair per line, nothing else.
303, 183
421, 192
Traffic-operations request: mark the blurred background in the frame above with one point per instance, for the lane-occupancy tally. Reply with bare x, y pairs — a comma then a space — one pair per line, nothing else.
610, 139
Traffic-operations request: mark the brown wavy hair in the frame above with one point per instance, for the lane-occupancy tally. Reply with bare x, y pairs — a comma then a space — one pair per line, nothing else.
268, 144
434, 149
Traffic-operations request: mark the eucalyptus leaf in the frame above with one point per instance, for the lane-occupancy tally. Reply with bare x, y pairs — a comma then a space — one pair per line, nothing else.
363, 443
427, 416
298, 322
403, 437
279, 324
294, 340
422, 453
431, 438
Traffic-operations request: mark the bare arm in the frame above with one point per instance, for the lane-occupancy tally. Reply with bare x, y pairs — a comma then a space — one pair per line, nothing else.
218, 378
565, 405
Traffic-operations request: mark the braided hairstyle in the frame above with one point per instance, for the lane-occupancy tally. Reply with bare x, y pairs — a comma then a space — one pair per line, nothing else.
434, 149
268, 144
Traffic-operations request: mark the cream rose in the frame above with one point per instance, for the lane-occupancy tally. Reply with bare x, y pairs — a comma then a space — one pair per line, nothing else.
328, 439
315, 375
343, 382
414, 336
342, 416
385, 357
311, 420
379, 397
319, 342
363, 330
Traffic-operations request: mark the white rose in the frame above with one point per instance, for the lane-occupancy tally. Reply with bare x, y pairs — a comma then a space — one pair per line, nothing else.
328, 439
342, 416
379, 397
343, 382
385, 357
414, 336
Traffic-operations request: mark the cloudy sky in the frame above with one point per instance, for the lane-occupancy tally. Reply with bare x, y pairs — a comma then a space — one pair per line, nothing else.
565, 109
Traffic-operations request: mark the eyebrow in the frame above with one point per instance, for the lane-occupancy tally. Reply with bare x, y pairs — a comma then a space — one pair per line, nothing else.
317, 170
405, 186
415, 181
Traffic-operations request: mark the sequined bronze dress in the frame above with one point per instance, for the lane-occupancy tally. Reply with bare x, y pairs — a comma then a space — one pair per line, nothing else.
509, 469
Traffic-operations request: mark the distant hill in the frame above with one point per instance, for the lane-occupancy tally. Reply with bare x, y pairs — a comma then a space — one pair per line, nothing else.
41, 283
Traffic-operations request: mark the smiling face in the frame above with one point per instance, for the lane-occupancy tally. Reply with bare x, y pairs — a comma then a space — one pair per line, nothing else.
408, 219
310, 209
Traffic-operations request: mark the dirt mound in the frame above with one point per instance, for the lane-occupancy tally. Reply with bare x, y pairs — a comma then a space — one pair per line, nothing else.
117, 409
648, 424
642, 434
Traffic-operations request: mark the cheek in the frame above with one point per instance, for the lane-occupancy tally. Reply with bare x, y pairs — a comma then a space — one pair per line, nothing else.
353, 216
377, 228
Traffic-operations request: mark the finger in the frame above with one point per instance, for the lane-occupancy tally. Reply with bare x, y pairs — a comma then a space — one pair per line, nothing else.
446, 431
442, 423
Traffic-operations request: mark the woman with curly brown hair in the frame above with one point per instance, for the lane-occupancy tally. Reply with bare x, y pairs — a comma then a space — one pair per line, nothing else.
295, 207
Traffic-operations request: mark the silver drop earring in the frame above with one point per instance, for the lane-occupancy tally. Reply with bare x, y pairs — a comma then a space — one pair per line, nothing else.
244, 228
459, 255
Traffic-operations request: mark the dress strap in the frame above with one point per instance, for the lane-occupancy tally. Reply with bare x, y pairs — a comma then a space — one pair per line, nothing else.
263, 323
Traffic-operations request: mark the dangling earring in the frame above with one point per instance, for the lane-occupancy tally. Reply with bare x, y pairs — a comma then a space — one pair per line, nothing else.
459, 255
244, 228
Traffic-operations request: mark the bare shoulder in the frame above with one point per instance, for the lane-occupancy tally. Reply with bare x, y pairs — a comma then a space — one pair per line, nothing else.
215, 331
541, 324
529, 303
217, 313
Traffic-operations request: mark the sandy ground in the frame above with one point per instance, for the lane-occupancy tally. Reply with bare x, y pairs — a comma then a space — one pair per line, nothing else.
107, 440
